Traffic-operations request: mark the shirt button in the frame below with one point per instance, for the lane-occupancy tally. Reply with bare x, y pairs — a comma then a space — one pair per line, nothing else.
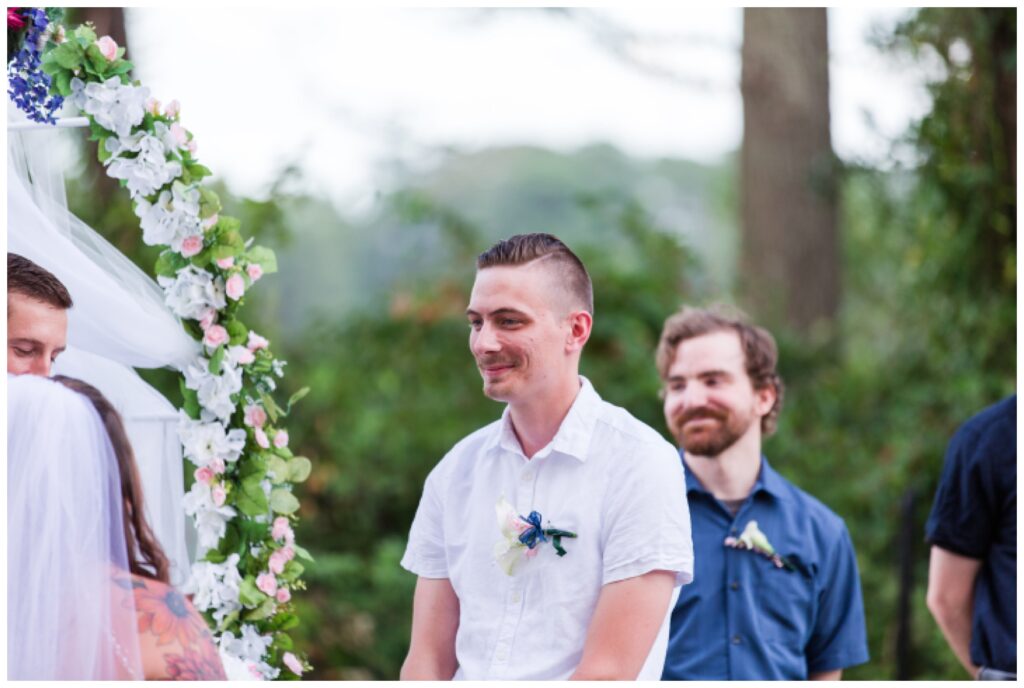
527, 476
516, 598
736, 640
502, 655
735, 585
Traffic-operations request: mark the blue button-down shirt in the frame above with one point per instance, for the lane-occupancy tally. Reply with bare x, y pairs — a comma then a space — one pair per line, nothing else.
743, 618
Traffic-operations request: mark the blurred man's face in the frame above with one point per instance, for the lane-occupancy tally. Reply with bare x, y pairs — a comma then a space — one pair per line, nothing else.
519, 332
710, 402
36, 334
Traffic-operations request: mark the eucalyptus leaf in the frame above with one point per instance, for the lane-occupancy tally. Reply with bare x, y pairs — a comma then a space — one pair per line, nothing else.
282, 501
300, 468
280, 468
265, 257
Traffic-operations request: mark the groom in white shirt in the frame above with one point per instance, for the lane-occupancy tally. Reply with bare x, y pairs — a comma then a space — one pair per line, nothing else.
549, 544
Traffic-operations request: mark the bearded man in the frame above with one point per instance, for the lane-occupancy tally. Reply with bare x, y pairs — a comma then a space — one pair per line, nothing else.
776, 593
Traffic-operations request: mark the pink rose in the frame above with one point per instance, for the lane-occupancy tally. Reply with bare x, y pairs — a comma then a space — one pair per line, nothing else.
255, 271
235, 287
173, 108
210, 221
283, 595
209, 315
215, 336
267, 583
192, 245
153, 106
219, 495
241, 355
277, 562
192, 146
204, 475
287, 552
226, 263
108, 48
261, 438
281, 529
179, 134
293, 663
217, 466
257, 342
255, 416
254, 671
281, 439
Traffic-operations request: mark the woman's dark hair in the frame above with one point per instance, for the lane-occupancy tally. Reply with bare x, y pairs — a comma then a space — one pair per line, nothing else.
145, 556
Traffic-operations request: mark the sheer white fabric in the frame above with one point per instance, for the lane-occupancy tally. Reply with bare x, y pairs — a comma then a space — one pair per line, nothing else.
70, 609
118, 322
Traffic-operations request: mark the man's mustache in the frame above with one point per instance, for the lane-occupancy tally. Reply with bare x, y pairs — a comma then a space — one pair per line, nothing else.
697, 413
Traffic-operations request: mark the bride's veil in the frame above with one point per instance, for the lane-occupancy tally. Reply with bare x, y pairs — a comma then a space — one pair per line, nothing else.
70, 609
118, 322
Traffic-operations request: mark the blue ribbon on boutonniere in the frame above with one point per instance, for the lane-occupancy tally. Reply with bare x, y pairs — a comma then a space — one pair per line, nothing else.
535, 534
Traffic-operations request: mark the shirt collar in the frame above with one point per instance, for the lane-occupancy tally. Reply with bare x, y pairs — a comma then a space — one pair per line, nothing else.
573, 436
768, 480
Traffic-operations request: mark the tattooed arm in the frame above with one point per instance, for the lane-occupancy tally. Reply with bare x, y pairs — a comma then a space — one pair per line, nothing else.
174, 640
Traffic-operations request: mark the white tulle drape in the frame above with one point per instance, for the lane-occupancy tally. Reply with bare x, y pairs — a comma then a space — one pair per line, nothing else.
118, 322
70, 609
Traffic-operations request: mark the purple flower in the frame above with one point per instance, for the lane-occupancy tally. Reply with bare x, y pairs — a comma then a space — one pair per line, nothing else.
29, 86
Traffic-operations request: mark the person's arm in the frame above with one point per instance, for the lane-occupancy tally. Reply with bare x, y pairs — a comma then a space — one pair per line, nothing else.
833, 675
625, 624
951, 580
435, 620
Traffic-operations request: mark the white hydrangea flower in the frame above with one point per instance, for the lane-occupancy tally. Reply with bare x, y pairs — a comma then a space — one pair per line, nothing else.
215, 586
250, 649
204, 442
148, 171
172, 218
211, 521
214, 391
192, 291
115, 106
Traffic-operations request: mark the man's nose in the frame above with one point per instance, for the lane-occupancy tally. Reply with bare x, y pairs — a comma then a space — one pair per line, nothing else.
40, 366
484, 340
694, 396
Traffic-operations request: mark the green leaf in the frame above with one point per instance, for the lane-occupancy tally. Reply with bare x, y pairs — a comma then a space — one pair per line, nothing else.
299, 469
102, 154
222, 251
62, 81
120, 68
280, 468
215, 556
199, 171
232, 237
84, 35
209, 203
68, 55
265, 610
292, 570
283, 622
265, 257
169, 262
282, 501
228, 620
190, 398
96, 59
248, 594
255, 465
302, 552
283, 452
297, 396
251, 500
217, 360
273, 410
237, 331
225, 223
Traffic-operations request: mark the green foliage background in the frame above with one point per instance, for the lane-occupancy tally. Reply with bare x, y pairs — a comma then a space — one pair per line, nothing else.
926, 335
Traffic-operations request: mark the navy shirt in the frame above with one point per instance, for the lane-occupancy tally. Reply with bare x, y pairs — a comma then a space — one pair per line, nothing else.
743, 618
975, 515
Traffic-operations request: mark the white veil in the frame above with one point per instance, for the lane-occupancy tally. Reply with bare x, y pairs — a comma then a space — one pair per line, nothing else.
70, 614
118, 322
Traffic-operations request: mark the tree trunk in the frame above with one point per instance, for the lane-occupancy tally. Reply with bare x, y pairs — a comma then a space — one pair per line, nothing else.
789, 259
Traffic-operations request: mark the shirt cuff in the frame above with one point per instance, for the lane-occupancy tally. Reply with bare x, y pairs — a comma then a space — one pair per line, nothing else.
424, 567
683, 568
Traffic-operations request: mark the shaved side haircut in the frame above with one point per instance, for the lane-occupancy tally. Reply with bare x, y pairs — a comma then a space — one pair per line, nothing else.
523, 249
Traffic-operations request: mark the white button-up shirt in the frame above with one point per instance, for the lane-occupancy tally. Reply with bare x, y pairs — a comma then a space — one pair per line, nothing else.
605, 476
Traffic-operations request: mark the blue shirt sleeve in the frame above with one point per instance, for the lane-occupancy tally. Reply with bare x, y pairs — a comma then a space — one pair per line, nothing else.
961, 519
839, 638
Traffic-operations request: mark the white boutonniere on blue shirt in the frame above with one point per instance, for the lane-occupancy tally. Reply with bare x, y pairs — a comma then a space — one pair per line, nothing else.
521, 535
754, 540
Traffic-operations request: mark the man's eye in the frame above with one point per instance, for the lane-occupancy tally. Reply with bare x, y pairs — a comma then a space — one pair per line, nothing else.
509, 322
475, 324
23, 352
676, 387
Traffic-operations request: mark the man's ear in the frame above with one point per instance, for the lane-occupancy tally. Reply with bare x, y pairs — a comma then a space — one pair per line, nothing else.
580, 325
764, 400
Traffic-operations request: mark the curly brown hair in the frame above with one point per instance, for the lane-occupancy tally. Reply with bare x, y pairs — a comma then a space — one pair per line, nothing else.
761, 355
145, 556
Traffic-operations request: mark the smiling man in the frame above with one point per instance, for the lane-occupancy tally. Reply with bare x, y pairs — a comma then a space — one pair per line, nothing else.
776, 594
37, 319
550, 543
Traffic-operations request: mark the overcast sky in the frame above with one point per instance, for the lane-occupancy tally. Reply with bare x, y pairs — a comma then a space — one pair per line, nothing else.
345, 92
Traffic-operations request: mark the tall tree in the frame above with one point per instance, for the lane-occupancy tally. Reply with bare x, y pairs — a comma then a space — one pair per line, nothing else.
789, 258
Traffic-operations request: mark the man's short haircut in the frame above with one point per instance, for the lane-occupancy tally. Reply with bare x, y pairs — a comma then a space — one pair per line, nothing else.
28, 279
761, 355
522, 249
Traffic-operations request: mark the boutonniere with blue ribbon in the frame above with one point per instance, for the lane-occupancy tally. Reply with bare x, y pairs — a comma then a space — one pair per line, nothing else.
754, 540
521, 536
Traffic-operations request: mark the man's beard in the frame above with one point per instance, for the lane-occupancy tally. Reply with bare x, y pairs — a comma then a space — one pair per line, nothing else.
710, 442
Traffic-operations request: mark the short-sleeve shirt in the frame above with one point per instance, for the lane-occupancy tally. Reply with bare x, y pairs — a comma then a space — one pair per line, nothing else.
744, 618
605, 476
975, 515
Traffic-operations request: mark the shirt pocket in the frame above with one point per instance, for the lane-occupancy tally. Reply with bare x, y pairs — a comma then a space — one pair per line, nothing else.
786, 602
